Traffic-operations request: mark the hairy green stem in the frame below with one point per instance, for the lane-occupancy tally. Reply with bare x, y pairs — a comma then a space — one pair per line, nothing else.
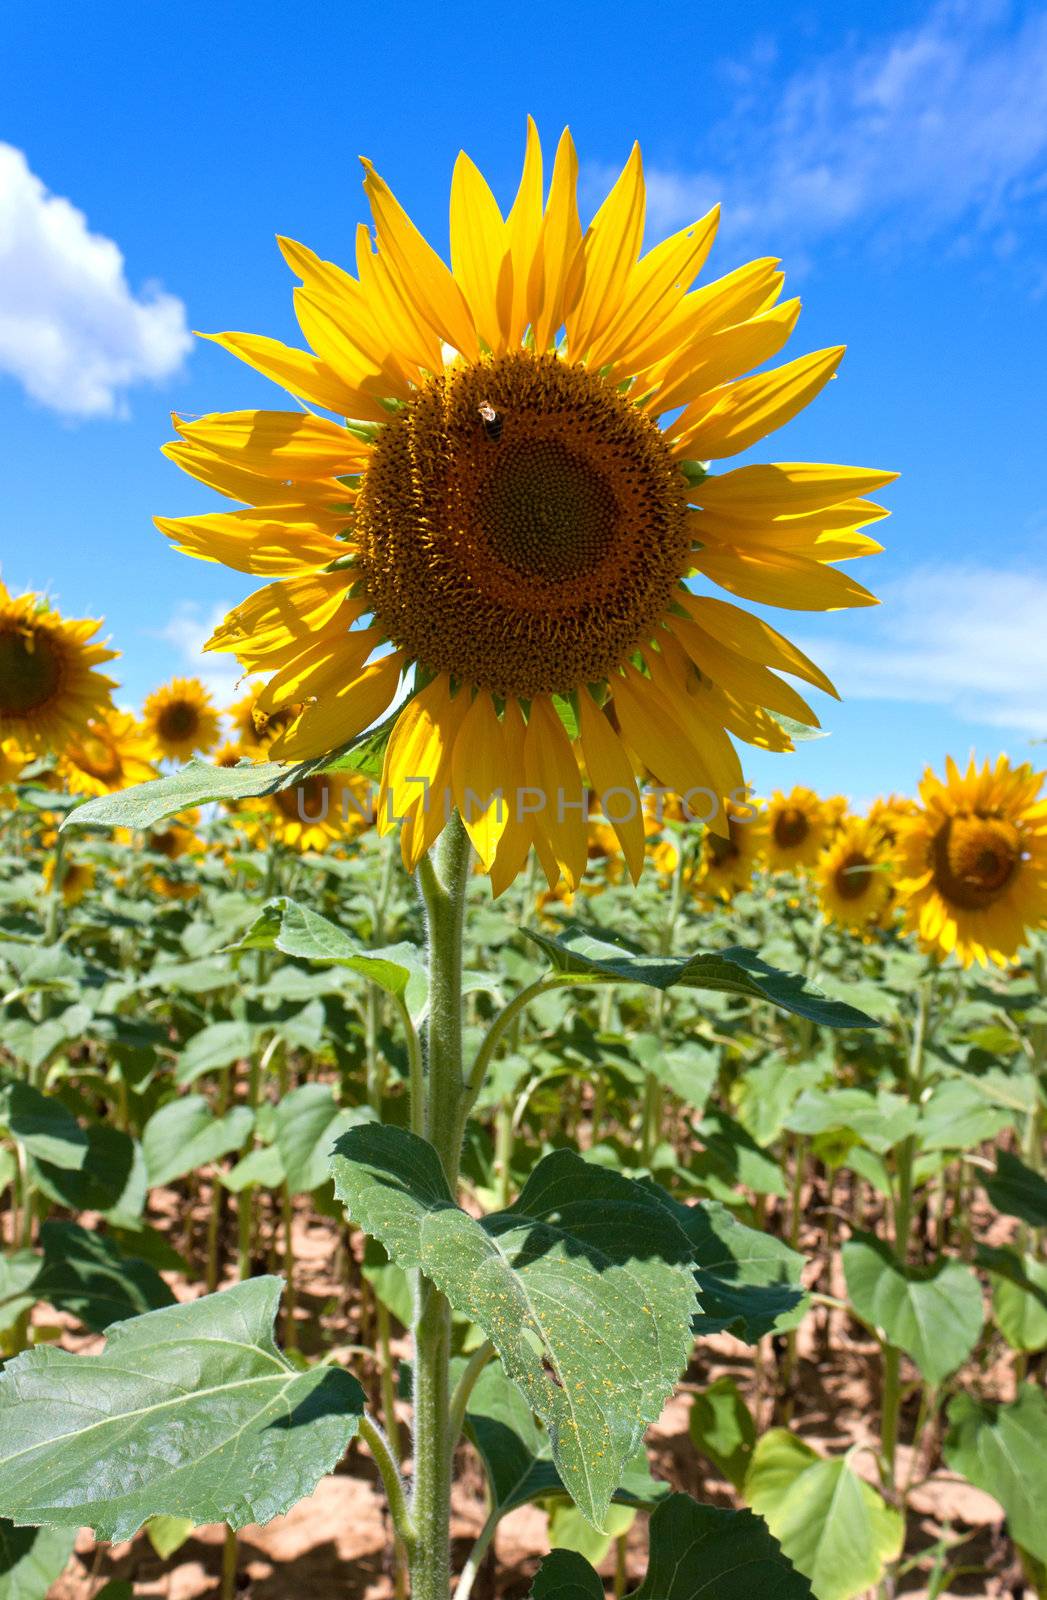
442, 880
392, 1482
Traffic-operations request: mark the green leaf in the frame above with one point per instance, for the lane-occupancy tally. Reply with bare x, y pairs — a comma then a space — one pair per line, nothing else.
748, 1281
112, 1179
85, 1273
583, 1286
722, 1429
185, 1134
31, 1559
1003, 1450
880, 1121
1017, 1190
261, 1166
569, 1530
732, 1154
308, 1124
934, 1314
696, 1553
188, 1412
216, 1046
833, 1526
1019, 1296
579, 953
195, 784
168, 1534
294, 930
957, 1117
42, 1125
19, 1270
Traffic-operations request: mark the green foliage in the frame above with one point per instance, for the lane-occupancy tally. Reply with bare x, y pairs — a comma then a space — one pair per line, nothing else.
31, 1559
1003, 1450
1017, 1190
722, 1429
583, 1286
934, 1314
190, 1411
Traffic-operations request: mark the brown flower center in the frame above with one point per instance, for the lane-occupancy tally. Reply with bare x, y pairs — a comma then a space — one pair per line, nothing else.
791, 827
96, 757
531, 553
853, 876
179, 719
974, 859
31, 669
308, 801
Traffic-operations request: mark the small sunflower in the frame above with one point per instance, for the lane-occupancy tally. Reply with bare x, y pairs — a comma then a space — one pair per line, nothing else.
974, 861
180, 720
510, 511
797, 828
254, 729
49, 687
887, 812
174, 841
111, 753
12, 761
227, 754
725, 866
854, 877
323, 808
78, 879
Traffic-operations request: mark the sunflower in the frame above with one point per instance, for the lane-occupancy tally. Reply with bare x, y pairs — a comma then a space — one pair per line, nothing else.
180, 720
506, 516
12, 760
853, 875
318, 810
797, 828
78, 879
974, 861
49, 687
725, 866
888, 812
254, 729
111, 753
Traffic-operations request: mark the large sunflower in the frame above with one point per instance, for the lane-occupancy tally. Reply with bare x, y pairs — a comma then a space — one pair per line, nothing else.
111, 753
974, 861
180, 720
798, 827
511, 508
49, 687
853, 875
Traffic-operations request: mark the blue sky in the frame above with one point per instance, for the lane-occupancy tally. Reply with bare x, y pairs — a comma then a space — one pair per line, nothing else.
894, 156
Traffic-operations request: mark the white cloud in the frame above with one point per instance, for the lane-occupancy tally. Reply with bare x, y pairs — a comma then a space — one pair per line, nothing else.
188, 630
72, 331
943, 124
972, 640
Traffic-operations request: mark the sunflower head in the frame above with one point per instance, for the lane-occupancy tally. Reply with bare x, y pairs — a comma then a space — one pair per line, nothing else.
974, 861
255, 729
78, 879
797, 827
888, 812
49, 686
496, 516
180, 720
110, 753
854, 875
317, 812
726, 865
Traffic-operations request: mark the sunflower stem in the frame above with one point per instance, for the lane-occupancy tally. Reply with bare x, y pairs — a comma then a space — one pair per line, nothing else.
442, 880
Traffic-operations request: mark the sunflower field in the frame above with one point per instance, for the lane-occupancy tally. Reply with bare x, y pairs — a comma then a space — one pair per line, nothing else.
455, 1137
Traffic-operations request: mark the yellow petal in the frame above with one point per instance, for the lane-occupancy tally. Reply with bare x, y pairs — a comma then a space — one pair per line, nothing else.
610, 249
522, 229
423, 276
283, 613
478, 777
743, 633
747, 411
343, 339
300, 373
239, 483
779, 578
657, 283
785, 488
321, 667
410, 333
745, 679
611, 775
478, 247
555, 282
724, 355
326, 726
552, 769
278, 444
721, 304
417, 757
248, 542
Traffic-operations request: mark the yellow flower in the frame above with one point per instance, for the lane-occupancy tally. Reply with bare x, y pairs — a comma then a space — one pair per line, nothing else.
853, 876
725, 866
324, 807
228, 754
48, 684
181, 720
175, 840
514, 512
111, 753
798, 826
254, 729
78, 878
12, 760
887, 813
974, 861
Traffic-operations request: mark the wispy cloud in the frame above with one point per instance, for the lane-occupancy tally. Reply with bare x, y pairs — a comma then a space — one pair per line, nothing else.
942, 125
72, 331
187, 631
971, 640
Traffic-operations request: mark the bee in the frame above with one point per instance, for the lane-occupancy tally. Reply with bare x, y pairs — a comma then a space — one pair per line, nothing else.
491, 420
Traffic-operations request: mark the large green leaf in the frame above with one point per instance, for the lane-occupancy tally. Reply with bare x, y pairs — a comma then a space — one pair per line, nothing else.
583, 1286
833, 1526
42, 1125
1019, 1296
85, 1273
748, 1281
111, 1180
294, 930
722, 1429
696, 1553
880, 1121
1003, 1450
307, 1124
185, 1134
214, 1047
581, 954
935, 1314
31, 1559
1017, 1190
189, 1412
195, 784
